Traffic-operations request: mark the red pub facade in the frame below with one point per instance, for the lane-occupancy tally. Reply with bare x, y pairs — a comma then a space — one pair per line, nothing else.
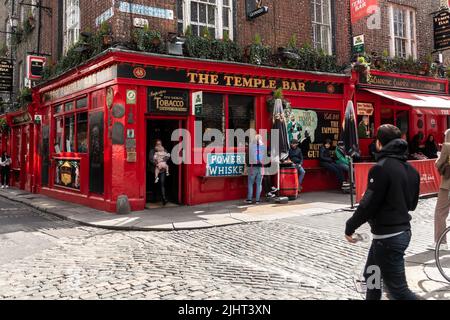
100, 120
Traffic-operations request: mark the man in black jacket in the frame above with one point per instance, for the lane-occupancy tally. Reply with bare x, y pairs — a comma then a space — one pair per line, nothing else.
296, 156
393, 191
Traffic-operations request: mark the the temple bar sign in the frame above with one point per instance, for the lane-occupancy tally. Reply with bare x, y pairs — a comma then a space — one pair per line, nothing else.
255, 8
442, 30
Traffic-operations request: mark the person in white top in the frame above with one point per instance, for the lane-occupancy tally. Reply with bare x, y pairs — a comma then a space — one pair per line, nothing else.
5, 163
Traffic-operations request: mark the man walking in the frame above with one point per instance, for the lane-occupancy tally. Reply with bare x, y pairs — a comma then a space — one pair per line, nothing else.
296, 156
393, 191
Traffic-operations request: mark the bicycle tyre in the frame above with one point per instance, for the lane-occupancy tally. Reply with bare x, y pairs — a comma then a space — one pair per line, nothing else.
437, 255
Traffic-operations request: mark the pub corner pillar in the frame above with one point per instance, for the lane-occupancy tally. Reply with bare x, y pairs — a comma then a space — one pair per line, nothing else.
125, 178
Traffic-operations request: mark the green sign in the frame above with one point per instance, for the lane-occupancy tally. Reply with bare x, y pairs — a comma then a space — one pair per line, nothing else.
358, 44
197, 101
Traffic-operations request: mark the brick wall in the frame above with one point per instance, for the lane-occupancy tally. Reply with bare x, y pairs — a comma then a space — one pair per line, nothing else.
377, 40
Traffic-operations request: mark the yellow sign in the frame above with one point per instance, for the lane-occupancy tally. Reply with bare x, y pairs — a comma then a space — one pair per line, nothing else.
66, 173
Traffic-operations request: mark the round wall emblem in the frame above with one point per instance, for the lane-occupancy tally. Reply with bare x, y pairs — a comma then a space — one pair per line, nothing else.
139, 72
118, 111
109, 97
330, 88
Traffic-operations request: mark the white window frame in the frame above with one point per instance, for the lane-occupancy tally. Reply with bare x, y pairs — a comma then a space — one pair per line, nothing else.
219, 28
74, 28
410, 31
322, 25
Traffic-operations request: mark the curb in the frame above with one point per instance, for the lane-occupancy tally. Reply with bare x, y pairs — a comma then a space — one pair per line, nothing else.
114, 228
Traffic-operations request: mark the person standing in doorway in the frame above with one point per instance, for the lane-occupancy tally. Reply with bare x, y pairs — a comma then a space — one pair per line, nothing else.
5, 167
296, 156
443, 200
393, 191
153, 161
256, 159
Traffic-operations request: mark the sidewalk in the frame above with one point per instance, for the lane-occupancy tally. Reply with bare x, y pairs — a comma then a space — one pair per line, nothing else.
183, 217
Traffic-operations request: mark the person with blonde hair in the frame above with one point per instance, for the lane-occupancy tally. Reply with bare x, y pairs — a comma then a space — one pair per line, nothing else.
443, 201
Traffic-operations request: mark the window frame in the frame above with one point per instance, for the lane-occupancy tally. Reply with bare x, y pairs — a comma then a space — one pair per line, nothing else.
322, 26
62, 116
410, 35
219, 9
72, 33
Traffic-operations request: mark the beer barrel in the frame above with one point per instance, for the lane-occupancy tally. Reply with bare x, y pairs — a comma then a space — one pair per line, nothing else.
288, 181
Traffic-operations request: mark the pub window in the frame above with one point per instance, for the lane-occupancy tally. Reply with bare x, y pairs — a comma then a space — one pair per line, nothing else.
68, 106
241, 113
59, 122
82, 127
214, 15
81, 103
69, 133
59, 109
212, 113
321, 24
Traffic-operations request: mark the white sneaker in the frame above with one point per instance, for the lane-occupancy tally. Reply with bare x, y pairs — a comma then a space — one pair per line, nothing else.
6, 187
2, 187
432, 247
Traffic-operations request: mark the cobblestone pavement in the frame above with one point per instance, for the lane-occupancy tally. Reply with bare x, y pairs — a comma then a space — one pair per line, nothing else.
297, 258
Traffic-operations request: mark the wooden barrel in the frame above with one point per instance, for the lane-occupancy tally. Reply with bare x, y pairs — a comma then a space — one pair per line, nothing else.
289, 182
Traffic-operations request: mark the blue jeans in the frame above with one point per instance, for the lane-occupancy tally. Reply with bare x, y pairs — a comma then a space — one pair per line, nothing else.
254, 176
301, 173
333, 167
388, 255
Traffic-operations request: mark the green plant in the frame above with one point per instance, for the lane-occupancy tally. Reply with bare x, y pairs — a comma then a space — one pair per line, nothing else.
4, 127
25, 96
292, 44
28, 25
148, 40
259, 53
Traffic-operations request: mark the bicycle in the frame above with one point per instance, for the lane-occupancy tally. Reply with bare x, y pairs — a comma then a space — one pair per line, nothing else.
442, 256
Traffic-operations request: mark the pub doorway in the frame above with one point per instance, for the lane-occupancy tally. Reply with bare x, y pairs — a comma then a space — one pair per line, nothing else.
162, 130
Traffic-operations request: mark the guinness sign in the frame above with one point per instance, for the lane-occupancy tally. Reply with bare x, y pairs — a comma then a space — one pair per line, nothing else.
255, 8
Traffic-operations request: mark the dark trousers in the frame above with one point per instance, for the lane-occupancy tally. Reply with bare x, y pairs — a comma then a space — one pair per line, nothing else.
5, 175
388, 255
333, 167
160, 187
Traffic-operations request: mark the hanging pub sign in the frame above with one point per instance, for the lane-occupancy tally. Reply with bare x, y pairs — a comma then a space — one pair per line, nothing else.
168, 101
22, 119
6, 75
35, 67
227, 80
312, 128
67, 173
364, 108
359, 9
441, 23
255, 8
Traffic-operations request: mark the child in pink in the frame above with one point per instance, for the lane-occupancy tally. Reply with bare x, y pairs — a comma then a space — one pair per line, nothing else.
160, 158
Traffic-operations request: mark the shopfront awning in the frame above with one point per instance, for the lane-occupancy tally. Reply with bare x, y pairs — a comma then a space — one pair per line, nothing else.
421, 103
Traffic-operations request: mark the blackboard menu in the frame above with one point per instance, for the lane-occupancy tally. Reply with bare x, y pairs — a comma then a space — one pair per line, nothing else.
442, 30
6, 75
312, 127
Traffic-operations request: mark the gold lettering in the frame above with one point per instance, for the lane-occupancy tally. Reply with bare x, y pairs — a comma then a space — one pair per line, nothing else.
228, 80
192, 77
301, 86
286, 85
248, 82
237, 81
214, 79
272, 84
203, 78
257, 83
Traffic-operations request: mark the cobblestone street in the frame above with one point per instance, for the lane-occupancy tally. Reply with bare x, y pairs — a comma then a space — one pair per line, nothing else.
297, 258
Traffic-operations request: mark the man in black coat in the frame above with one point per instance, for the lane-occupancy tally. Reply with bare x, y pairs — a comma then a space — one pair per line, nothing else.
393, 191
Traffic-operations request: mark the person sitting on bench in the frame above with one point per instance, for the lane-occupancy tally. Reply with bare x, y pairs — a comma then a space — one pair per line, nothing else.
328, 163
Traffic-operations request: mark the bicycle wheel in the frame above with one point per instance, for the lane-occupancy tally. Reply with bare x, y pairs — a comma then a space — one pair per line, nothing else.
443, 256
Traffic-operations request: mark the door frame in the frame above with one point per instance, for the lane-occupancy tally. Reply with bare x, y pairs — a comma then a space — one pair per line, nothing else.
182, 124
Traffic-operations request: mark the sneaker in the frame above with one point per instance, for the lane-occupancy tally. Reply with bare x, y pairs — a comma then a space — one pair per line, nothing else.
248, 201
257, 202
156, 180
6, 187
2, 187
274, 189
271, 195
167, 174
432, 247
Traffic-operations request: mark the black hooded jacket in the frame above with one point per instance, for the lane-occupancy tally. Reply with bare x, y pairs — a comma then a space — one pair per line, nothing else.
392, 191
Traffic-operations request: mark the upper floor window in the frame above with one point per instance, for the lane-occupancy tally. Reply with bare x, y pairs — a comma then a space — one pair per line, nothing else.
321, 24
214, 15
403, 32
72, 23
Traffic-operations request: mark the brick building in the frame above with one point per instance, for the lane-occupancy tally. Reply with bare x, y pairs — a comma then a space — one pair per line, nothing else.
30, 27
402, 28
325, 24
